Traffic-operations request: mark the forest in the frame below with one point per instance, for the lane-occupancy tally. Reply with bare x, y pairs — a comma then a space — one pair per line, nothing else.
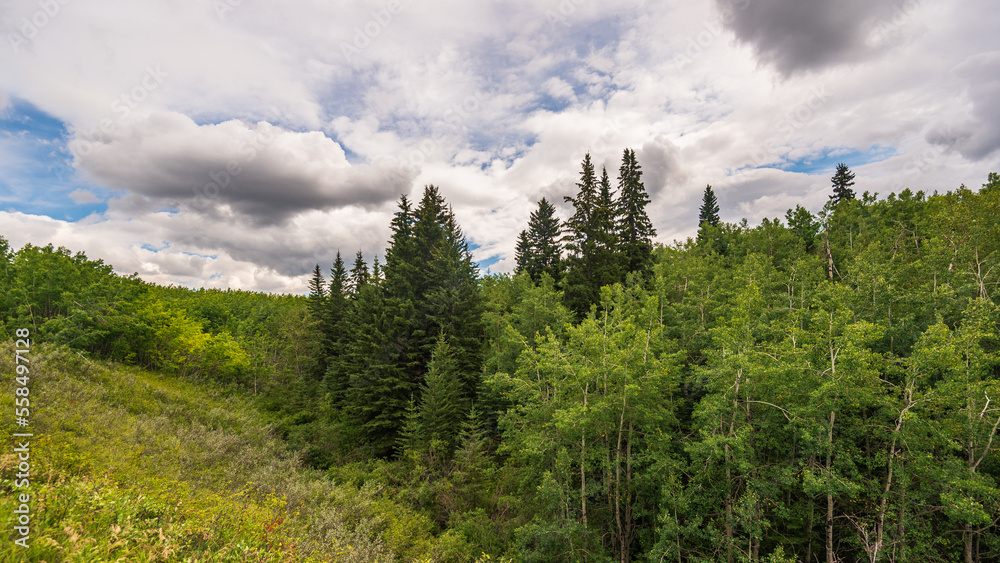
822, 387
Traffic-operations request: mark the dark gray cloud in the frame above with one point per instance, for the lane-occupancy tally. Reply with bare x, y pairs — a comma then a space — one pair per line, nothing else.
979, 136
799, 35
661, 165
235, 171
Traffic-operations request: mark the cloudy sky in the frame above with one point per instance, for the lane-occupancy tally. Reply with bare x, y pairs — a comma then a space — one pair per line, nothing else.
236, 143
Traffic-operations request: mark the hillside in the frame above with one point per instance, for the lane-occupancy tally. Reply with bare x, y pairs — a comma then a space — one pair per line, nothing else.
133, 465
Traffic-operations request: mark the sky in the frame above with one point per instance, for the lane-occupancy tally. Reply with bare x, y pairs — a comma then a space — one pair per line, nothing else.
238, 143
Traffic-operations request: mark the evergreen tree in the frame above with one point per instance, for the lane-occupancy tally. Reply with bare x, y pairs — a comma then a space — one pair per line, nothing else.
430, 287
606, 215
709, 211
441, 403
335, 337
635, 230
317, 295
359, 274
578, 285
538, 249
842, 181
523, 256
317, 306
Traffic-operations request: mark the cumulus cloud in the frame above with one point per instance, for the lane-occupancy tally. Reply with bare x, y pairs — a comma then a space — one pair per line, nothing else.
83, 196
979, 135
264, 149
795, 36
260, 171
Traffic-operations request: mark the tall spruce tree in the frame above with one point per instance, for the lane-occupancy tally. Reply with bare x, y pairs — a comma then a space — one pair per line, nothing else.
842, 181
316, 303
635, 230
334, 321
317, 295
430, 287
359, 274
442, 405
709, 211
580, 288
538, 248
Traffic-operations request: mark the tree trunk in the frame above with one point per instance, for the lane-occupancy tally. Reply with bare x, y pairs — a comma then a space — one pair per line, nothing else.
583, 460
829, 494
829, 254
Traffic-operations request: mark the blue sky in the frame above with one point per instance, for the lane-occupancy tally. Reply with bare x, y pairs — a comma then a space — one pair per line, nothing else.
239, 149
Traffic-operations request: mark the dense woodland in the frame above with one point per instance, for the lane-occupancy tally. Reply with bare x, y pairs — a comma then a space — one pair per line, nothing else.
822, 387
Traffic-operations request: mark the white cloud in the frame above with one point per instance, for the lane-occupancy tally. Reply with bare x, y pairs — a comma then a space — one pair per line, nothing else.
453, 93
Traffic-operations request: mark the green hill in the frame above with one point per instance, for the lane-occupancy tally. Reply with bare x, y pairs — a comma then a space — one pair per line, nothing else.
133, 465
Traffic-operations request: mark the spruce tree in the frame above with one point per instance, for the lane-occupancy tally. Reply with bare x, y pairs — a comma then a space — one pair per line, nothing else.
842, 181
441, 402
316, 304
523, 254
708, 222
430, 286
635, 230
359, 274
538, 249
579, 288
453, 302
335, 339
316, 300
709, 211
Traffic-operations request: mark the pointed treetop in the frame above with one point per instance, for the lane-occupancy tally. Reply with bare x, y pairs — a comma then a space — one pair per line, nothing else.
842, 181
709, 208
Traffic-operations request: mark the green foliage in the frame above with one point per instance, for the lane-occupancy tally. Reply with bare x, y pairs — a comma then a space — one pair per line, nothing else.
635, 230
709, 210
842, 181
538, 248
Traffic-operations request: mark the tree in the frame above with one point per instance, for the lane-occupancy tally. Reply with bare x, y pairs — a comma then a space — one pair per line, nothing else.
589, 236
538, 248
709, 211
334, 322
635, 230
842, 181
804, 225
359, 274
317, 294
442, 407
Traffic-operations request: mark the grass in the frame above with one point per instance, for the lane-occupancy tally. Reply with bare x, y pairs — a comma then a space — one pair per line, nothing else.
134, 466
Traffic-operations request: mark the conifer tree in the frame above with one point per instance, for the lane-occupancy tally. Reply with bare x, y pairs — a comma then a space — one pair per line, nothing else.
334, 322
359, 274
430, 287
709, 211
579, 286
538, 248
842, 181
523, 256
635, 230
441, 402
317, 295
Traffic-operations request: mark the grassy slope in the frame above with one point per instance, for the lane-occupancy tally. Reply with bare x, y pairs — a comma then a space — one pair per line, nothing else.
129, 465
